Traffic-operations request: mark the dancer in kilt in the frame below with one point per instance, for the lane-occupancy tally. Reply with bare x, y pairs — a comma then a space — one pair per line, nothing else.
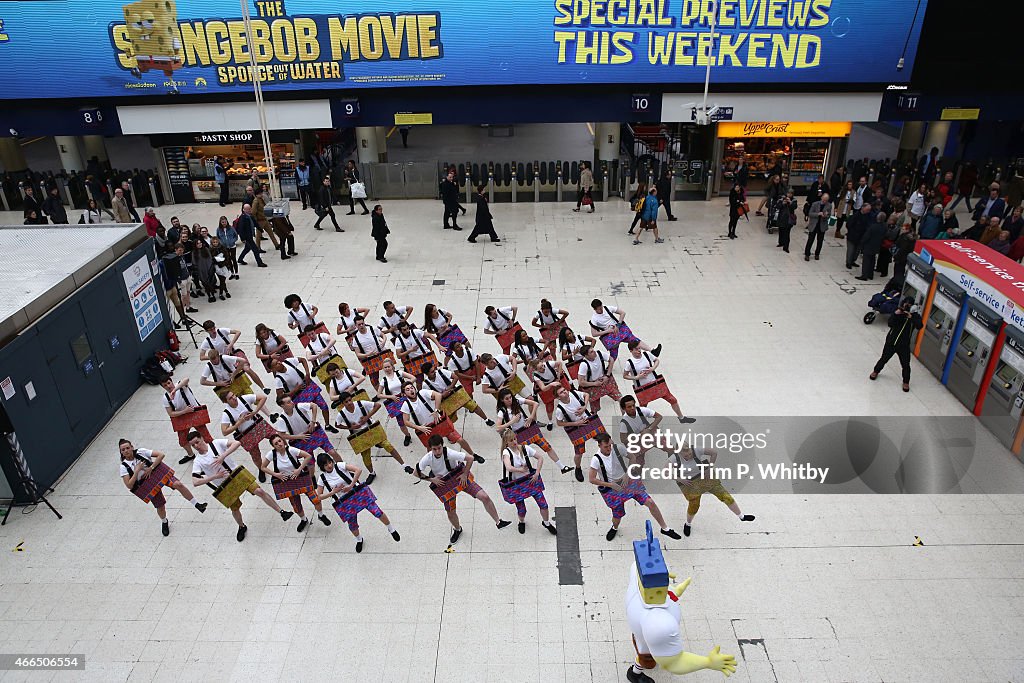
298, 423
242, 418
521, 479
179, 401
354, 416
695, 480
291, 470
579, 422
550, 321
144, 473
390, 391
609, 325
641, 367
339, 481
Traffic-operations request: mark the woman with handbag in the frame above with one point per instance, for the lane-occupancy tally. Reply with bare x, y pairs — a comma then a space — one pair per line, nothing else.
737, 208
636, 205
357, 190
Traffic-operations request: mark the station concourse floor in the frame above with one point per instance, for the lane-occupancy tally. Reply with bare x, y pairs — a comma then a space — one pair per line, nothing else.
819, 588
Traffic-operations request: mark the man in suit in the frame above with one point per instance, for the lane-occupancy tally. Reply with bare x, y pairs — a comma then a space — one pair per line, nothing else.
130, 200
326, 205
120, 206
664, 186
857, 226
992, 206
871, 245
54, 207
450, 197
814, 193
928, 166
818, 217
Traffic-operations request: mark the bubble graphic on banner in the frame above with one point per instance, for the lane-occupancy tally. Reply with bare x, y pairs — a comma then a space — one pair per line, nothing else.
841, 26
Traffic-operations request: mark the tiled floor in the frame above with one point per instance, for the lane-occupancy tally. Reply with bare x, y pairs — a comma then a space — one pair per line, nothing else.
818, 588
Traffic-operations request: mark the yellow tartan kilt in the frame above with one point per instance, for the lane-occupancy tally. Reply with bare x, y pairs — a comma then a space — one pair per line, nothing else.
516, 384
240, 386
321, 369
373, 436
693, 489
239, 481
459, 399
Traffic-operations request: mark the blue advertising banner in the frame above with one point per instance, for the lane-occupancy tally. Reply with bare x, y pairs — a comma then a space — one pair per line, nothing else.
76, 49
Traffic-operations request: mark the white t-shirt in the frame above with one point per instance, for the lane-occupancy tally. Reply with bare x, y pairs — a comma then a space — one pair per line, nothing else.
574, 348
181, 398
463, 363
517, 459
573, 409
441, 381
637, 365
203, 466
526, 352
420, 409
429, 465
285, 463
414, 344
302, 317
270, 344
291, 377
222, 370
388, 321
368, 342
612, 466
602, 321
546, 374
392, 386
231, 415
220, 341
343, 383
518, 419
128, 467
439, 319
497, 375
594, 370
917, 203
297, 422
348, 417
319, 342
346, 323
501, 321
548, 319
641, 421
339, 476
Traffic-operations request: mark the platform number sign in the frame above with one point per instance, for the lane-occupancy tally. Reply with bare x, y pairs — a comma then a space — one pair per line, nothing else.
92, 117
350, 108
641, 103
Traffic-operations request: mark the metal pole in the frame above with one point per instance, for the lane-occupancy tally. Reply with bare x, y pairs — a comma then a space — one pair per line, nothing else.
469, 184
257, 88
3, 198
152, 193
490, 186
558, 183
514, 184
604, 188
536, 182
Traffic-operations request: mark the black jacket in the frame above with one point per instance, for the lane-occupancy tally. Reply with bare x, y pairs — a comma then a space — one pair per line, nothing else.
901, 329
858, 226
325, 196
379, 226
742, 176
54, 208
483, 212
32, 204
735, 202
874, 234
449, 192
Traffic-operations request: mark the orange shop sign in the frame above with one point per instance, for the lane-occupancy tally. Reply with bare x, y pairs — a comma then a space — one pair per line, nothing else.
784, 129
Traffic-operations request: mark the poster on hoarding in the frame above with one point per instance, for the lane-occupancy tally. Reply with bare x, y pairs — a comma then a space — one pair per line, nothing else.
138, 280
151, 47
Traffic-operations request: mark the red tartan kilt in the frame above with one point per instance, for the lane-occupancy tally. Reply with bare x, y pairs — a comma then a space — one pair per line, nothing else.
413, 365
607, 388
299, 486
375, 364
580, 435
251, 440
304, 337
518, 490
445, 429
508, 337
653, 391
573, 368
279, 356
149, 488
550, 333
187, 421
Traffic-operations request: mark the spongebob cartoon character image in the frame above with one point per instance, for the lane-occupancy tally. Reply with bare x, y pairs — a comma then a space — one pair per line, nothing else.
652, 608
153, 32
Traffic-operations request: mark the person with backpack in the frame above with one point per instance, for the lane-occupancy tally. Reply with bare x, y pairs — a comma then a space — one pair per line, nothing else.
649, 216
636, 205
245, 227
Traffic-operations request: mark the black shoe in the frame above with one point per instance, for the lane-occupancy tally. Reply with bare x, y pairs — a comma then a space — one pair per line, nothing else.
550, 527
630, 233
747, 518
286, 515
687, 420
862, 278
285, 258
611, 534
370, 477
383, 260
191, 310
364, 213
489, 422
672, 218
522, 527
455, 536
462, 210
566, 469
633, 677
303, 523
656, 351
455, 227
407, 440
359, 546
856, 265
686, 530
261, 265
395, 535
339, 230
551, 425
186, 459
785, 250
409, 469
165, 528
671, 533
350, 213
817, 257
807, 257
502, 523
212, 299
240, 536
579, 473
478, 459
266, 391
261, 251
325, 520
496, 239
201, 507
332, 429
293, 253
447, 227
317, 227
222, 297
263, 478
243, 263
471, 240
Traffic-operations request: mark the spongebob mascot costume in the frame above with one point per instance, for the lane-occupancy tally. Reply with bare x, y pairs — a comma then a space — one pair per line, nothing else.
653, 611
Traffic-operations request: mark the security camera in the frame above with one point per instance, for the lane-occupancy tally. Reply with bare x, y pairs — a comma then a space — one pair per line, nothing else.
13, 133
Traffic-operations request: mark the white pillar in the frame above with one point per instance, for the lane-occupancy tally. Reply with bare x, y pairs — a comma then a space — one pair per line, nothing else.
935, 136
95, 147
606, 141
366, 145
11, 157
70, 155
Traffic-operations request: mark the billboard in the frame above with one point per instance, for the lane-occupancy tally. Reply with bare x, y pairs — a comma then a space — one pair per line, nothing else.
80, 49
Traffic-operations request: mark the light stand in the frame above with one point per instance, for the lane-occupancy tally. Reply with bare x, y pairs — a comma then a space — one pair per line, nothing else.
36, 493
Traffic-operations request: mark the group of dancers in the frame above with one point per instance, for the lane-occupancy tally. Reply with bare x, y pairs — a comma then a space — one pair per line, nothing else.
424, 378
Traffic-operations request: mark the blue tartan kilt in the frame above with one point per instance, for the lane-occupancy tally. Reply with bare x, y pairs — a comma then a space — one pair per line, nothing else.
518, 490
452, 334
318, 439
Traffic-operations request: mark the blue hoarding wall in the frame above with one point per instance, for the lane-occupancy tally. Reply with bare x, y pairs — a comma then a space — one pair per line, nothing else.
78, 49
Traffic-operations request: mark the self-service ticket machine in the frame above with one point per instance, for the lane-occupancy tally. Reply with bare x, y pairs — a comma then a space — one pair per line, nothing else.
972, 352
943, 323
1004, 400
918, 280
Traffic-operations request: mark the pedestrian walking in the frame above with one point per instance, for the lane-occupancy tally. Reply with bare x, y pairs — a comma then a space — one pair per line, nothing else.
584, 196
484, 219
379, 231
326, 208
818, 216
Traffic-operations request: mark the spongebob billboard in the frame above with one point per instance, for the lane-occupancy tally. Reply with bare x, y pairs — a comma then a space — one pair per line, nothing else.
190, 47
